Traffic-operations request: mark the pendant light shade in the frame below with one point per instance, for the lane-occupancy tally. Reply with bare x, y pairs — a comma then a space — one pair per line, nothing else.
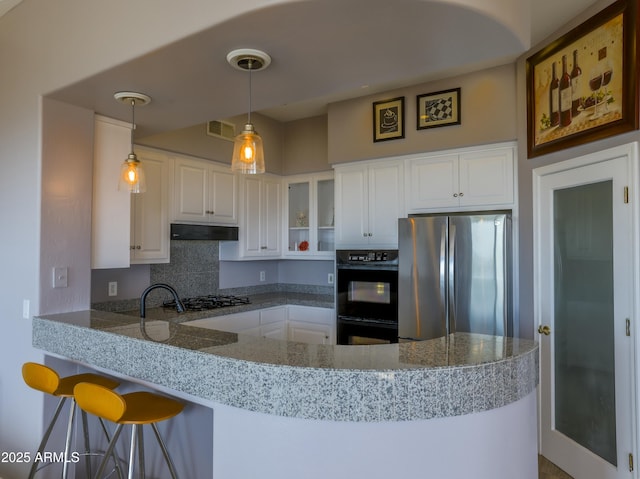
248, 152
131, 173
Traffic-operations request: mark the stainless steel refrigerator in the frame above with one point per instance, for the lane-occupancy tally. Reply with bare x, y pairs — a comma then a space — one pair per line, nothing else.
455, 275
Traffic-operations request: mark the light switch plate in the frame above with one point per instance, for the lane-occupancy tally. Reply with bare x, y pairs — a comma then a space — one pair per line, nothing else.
60, 277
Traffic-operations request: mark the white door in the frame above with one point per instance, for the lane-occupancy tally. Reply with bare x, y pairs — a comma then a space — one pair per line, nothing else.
584, 297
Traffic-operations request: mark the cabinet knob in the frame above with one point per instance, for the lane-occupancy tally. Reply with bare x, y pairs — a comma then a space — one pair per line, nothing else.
370, 234
461, 194
132, 247
263, 247
364, 235
455, 195
138, 247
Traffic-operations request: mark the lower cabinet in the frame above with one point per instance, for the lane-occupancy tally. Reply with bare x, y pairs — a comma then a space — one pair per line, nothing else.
311, 325
305, 324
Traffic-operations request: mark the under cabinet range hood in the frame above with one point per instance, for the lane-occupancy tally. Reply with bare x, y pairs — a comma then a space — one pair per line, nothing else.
203, 232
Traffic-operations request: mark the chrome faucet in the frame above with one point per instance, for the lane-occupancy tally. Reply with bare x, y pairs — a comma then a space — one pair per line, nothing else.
143, 298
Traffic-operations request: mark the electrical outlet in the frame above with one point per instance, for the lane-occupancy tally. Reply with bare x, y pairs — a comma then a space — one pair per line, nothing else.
26, 305
113, 288
263, 275
330, 278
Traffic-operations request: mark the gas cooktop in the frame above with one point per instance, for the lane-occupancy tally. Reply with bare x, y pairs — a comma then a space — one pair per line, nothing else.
202, 303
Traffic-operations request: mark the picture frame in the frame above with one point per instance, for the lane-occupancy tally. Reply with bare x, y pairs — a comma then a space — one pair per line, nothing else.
440, 108
388, 119
603, 98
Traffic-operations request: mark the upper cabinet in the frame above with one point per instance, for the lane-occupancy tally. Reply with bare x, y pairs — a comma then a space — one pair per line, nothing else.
369, 201
479, 177
309, 216
205, 192
259, 234
128, 228
110, 233
150, 210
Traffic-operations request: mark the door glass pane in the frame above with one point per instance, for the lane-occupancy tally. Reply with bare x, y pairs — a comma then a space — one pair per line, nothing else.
325, 216
583, 325
299, 216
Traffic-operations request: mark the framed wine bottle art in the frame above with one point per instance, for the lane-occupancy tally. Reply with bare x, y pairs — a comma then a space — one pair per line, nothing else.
583, 86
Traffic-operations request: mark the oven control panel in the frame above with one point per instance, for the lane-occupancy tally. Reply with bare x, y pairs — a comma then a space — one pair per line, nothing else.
369, 256
366, 256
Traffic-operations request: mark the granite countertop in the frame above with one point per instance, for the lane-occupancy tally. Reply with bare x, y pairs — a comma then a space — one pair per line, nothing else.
450, 376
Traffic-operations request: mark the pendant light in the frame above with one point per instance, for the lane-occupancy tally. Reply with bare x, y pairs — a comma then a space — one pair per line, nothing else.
131, 172
248, 153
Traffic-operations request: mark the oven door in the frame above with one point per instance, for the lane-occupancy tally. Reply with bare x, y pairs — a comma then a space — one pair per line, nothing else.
368, 293
356, 331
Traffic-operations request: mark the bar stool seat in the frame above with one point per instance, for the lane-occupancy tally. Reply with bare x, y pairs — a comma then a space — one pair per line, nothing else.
137, 409
47, 380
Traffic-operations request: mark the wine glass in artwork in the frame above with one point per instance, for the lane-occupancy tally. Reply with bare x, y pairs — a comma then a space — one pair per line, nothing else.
595, 83
607, 74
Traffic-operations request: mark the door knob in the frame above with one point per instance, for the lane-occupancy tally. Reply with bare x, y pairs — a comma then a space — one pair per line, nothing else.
546, 330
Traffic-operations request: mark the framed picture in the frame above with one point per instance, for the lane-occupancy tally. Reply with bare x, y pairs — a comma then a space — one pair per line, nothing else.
440, 108
388, 119
583, 86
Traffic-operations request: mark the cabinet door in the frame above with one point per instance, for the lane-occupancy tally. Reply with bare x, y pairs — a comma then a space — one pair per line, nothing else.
432, 182
486, 177
150, 212
351, 215
309, 333
385, 204
261, 216
251, 212
223, 202
191, 183
274, 331
110, 233
271, 213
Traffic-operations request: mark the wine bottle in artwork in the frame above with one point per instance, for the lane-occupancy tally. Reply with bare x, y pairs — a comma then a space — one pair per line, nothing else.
576, 75
554, 97
565, 94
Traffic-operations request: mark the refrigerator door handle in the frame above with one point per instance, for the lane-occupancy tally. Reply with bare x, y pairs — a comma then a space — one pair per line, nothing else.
451, 324
443, 276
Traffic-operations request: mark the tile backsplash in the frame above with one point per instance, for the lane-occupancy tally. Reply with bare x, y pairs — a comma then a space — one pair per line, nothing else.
194, 270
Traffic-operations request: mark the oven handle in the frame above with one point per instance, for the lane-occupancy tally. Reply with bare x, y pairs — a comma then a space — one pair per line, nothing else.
359, 320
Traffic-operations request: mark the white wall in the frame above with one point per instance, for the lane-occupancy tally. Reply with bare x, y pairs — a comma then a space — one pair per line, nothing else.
44, 46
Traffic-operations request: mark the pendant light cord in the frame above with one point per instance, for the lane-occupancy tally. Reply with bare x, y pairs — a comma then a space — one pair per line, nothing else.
133, 120
250, 65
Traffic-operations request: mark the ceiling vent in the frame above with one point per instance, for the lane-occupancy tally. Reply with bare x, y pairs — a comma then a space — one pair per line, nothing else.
221, 129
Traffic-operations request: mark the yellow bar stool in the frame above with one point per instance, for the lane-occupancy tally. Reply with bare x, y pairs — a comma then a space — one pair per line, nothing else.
137, 409
45, 379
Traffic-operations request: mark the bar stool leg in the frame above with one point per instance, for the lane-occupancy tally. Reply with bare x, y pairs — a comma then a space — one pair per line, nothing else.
109, 451
114, 453
165, 452
141, 451
67, 443
132, 450
87, 445
45, 438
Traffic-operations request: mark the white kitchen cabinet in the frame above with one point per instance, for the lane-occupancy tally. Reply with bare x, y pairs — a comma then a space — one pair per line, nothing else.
312, 325
478, 177
205, 192
111, 208
369, 201
268, 322
150, 210
232, 323
259, 235
308, 216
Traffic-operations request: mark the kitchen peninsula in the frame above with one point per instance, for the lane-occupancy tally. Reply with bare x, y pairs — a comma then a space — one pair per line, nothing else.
460, 406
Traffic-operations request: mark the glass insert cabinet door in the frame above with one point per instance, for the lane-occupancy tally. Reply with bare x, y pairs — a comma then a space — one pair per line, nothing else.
309, 215
584, 288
